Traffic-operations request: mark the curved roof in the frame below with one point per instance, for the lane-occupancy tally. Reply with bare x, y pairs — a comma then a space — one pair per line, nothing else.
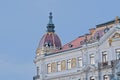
50, 39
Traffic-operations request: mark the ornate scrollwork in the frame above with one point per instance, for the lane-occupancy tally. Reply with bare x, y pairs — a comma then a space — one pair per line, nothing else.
63, 65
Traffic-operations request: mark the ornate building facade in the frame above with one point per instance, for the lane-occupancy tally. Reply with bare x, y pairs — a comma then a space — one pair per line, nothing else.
93, 56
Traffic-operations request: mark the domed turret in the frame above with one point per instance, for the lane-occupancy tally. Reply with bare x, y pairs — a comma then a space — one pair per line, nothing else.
50, 41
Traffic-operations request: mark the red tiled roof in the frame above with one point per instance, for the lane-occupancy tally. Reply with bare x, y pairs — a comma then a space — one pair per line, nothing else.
77, 42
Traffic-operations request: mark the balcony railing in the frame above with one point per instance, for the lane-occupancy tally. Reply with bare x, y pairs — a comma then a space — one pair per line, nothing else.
36, 77
107, 64
104, 64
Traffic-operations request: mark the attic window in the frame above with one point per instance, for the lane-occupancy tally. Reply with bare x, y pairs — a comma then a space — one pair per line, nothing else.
81, 43
70, 45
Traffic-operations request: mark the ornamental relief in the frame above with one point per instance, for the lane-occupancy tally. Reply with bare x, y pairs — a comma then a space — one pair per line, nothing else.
73, 63
116, 35
63, 65
54, 67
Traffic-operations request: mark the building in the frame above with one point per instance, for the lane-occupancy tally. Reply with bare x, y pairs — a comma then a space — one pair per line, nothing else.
93, 56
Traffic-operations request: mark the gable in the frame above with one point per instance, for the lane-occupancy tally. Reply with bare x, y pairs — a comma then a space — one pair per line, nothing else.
111, 36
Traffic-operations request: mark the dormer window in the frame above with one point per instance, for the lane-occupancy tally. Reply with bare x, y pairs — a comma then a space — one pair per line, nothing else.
82, 42
70, 45
59, 48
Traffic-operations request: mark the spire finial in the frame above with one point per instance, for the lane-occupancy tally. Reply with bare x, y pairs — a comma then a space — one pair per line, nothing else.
50, 26
50, 18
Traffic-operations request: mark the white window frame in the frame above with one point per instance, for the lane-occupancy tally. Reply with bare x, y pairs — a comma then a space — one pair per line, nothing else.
104, 56
92, 59
69, 64
59, 66
80, 62
117, 53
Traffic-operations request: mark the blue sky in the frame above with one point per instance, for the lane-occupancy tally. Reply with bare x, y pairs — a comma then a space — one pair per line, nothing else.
23, 22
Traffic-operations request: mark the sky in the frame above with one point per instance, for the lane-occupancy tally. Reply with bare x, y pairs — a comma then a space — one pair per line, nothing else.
23, 23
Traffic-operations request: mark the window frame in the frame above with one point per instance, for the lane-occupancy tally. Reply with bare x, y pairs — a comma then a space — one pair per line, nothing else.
104, 56
80, 61
92, 59
69, 66
117, 53
49, 68
59, 66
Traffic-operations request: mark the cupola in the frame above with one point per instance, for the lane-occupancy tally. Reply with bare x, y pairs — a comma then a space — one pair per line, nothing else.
50, 40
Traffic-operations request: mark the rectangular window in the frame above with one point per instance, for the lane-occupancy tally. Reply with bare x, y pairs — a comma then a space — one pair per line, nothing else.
49, 68
92, 59
104, 56
106, 77
59, 66
69, 64
117, 53
80, 62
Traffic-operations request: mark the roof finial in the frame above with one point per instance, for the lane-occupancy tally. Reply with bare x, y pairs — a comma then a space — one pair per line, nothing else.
116, 20
50, 26
50, 18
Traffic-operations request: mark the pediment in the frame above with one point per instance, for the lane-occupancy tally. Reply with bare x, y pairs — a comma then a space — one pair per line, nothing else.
90, 68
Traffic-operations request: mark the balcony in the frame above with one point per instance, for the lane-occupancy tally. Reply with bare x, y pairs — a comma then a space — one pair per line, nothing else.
106, 64
36, 77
